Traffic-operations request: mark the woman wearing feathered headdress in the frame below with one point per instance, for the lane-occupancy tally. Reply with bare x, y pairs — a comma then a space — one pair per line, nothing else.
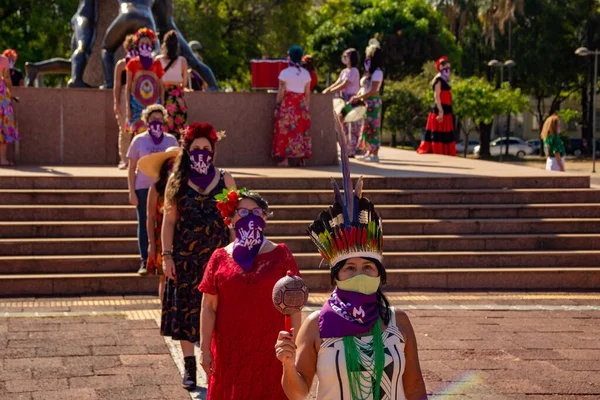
358, 346
439, 132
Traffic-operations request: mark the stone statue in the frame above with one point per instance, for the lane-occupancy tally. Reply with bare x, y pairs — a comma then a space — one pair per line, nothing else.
84, 33
164, 14
156, 15
133, 15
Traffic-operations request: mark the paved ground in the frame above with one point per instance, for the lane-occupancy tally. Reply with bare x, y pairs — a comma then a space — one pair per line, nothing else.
539, 346
394, 163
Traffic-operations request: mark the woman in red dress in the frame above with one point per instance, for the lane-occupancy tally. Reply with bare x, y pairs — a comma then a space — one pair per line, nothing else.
238, 322
439, 131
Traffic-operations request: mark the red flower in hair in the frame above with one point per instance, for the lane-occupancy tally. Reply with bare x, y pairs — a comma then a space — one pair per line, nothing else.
9, 53
145, 32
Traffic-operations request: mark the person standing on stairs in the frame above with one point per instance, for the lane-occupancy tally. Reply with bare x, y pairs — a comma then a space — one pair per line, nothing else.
192, 230
120, 98
158, 166
153, 140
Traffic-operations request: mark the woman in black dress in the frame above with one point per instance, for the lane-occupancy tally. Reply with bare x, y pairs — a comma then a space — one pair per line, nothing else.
192, 230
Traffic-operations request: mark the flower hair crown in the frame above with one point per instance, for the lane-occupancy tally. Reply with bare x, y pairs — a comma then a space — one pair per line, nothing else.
145, 32
153, 108
10, 53
227, 202
207, 131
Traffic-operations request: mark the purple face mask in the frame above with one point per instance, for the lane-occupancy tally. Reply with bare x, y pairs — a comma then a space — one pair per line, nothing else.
145, 51
11, 64
348, 313
446, 73
249, 239
155, 128
367, 64
202, 169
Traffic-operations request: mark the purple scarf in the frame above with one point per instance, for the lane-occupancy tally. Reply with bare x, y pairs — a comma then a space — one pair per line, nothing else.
348, 314
145, 52
202, 170
249, 240
155, 128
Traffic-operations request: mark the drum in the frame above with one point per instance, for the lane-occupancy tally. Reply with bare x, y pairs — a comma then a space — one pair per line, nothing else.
349, 112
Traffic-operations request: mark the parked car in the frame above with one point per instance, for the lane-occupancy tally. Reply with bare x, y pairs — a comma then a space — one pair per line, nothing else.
535, 145
576, 147
460, 146
516, 147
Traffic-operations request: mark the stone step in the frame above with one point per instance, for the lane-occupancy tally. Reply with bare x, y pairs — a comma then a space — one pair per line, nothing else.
302, 244
317, 197
90, 212
12, 285
401, 260
65, 229
260, 183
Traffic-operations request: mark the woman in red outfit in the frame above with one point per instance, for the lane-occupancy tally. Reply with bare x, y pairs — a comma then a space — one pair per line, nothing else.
238, 322
439, 132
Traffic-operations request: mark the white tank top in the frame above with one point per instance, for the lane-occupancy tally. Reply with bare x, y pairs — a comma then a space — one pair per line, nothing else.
331, 366
174, 73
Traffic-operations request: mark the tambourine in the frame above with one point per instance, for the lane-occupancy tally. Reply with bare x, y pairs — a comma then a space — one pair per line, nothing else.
349, 112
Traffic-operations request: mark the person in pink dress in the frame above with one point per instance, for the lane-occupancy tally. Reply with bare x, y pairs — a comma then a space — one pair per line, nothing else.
238, 322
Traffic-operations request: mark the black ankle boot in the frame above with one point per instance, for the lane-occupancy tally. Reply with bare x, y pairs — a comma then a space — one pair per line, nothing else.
189, 376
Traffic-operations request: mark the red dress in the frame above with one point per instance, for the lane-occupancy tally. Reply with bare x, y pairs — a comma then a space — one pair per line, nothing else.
439, 136
247, 325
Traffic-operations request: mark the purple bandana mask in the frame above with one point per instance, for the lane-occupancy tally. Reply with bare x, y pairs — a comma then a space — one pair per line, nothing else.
249, 240
348, 313
155, 128
146, 55
11, 64
202, 170
368, 64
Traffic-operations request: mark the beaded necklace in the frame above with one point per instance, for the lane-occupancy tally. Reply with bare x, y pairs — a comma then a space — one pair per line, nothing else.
364, 358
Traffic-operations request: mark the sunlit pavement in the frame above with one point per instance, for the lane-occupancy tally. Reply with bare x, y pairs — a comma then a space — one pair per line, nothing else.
484, 345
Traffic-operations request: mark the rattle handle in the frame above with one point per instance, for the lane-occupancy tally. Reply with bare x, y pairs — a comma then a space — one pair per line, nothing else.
288, 323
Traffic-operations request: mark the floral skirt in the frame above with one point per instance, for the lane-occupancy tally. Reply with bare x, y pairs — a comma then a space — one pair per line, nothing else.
8, 124
177, 109
370, 140
291, 137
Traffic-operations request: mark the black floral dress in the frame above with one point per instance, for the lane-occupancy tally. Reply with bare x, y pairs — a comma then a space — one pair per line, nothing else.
199, 231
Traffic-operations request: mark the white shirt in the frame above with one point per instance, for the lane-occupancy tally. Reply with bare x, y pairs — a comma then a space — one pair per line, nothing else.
295, 81
367, 84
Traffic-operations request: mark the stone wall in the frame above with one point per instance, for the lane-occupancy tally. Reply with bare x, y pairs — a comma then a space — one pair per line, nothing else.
77, 126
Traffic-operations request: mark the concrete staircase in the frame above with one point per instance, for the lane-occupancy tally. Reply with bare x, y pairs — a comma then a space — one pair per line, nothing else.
73, 235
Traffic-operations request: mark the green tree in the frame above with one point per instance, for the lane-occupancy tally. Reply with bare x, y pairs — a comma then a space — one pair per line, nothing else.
37, 30
411, 32
476, 102
232, 32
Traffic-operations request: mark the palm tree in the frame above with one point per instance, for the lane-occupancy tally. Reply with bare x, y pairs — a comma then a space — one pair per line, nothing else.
494, 14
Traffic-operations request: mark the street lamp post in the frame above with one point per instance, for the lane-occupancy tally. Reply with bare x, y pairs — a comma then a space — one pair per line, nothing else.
503, 64
584, 52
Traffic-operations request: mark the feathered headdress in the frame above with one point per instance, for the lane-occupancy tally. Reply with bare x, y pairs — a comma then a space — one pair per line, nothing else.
350, 227
144, 32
